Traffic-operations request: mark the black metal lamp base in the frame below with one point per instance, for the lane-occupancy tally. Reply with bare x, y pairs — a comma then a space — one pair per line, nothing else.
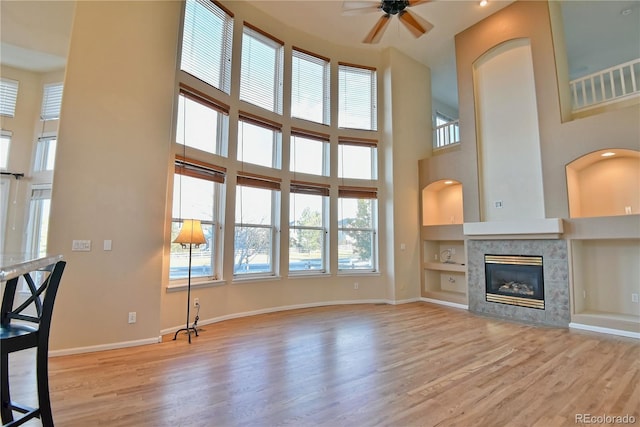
189, 330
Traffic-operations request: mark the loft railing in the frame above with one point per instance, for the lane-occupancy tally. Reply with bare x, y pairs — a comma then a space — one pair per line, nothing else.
446, 134
606, 86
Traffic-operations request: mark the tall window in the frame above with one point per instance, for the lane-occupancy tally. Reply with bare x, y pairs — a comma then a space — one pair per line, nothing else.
308, 230
309, 153
261, 69
197, 195
310, 87
202, 123
259, 141
206, 43
38, 227
5, 144
51, 101
357, 219
257, 218
45, 154
357, 97
8, 96
357, 158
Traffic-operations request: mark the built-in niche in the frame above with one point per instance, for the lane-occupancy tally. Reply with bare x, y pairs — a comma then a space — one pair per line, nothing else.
442, 203
604, 183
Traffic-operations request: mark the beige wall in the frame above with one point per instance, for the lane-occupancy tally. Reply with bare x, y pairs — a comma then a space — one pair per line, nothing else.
111, 170
560, 143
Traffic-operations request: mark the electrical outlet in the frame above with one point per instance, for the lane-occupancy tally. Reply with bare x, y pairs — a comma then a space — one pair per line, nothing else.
498, 204
355, 285
132, 317
196, 302
634, 297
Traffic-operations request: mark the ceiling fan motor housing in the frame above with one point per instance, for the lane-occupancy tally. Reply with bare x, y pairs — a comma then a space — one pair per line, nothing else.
393, 7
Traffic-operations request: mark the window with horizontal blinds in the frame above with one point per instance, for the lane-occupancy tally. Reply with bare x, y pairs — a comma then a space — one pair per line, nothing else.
202, 123
204, 99
8, 96
357, 237
309, 153
261, 71
303, 187
258, 181
358, 161
310, 87
207, 43
259, 141
45, 153
307, 229
51, 101
357, 97
5, 144
357, 192
201, 170
361, 142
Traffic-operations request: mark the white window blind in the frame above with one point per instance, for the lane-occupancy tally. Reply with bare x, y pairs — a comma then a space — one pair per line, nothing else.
206, 43
357, 95
8, 97
310, 87
261, 69
51, 101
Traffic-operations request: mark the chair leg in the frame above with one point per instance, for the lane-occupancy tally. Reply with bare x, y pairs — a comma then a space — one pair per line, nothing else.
42, 369
6, 412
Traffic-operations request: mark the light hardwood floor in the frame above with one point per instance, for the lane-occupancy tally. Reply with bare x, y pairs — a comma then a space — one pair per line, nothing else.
362, 365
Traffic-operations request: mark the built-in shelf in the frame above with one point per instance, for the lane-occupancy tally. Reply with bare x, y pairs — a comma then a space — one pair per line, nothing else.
445, 266
603, 296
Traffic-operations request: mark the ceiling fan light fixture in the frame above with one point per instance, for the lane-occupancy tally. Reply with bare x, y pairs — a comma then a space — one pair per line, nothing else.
483, 3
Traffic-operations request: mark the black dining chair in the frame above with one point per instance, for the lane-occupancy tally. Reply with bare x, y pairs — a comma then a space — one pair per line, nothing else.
21, 329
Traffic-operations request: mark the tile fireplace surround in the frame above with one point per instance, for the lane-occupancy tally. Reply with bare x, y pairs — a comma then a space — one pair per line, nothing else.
556, 280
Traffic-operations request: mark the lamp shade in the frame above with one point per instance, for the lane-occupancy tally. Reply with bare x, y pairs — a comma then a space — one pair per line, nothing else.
191, 232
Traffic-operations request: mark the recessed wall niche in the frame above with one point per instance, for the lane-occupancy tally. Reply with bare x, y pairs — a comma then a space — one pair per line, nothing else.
442, 203
604, 183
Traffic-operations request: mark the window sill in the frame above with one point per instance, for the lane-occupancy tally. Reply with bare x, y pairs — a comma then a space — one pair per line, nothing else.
178, 287
307, 275
358, 273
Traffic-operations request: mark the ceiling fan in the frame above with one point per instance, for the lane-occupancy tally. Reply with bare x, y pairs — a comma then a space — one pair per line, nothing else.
415, 24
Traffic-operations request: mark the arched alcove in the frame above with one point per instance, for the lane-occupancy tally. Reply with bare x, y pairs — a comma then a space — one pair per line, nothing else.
604, 183
442, 203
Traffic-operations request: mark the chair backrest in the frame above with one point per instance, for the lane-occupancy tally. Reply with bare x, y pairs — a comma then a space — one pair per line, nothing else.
42, 297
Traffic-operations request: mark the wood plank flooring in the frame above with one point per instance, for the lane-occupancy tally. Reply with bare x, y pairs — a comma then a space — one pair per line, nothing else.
362, 365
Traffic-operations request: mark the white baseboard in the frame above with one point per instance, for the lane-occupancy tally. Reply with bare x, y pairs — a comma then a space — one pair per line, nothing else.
602, 330
103, 347
276, 309
446, 303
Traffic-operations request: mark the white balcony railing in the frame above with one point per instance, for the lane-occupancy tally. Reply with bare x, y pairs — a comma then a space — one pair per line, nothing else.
446, 134
612, 84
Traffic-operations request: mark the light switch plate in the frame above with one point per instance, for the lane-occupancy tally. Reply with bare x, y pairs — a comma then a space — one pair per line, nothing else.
81, 245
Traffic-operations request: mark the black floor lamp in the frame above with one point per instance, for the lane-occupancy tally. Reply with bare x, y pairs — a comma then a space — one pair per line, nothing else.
190, 234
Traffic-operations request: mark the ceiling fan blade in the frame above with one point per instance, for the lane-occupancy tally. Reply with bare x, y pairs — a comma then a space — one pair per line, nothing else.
358, 7
376, 32
415, 24
417, 2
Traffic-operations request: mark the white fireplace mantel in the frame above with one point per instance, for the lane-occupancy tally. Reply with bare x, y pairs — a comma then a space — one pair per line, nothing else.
525, 228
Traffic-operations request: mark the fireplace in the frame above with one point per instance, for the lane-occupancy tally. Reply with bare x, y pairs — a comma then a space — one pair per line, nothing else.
515, 280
